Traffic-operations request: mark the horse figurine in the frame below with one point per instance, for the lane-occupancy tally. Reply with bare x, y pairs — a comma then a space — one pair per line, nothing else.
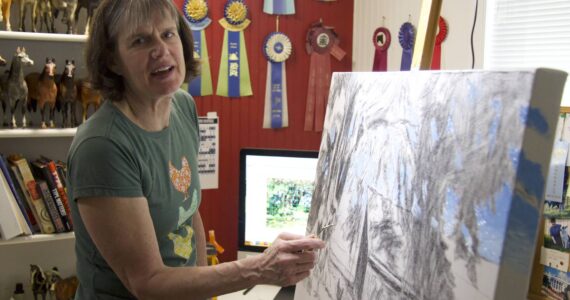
38, 281
43, 15
90, 5
5, 11
14, 88
87, 96
24, 5
67, 94
2, 60
65, 289
52, 279
44, 91
68, 7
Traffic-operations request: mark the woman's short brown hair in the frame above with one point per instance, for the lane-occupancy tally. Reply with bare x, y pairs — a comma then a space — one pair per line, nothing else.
113, 16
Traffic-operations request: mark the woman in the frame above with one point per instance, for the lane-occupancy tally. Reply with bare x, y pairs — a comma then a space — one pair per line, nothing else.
133, 179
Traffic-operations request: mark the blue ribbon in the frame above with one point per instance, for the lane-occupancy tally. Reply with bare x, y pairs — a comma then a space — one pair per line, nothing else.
195, 86
406, 38
234, 63
276, 95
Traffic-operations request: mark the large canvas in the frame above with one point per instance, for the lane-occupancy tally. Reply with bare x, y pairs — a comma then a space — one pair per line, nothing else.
430, 184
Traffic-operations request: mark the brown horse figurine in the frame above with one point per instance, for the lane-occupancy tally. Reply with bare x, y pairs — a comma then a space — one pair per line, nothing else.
14, 88
44, 91
87, 96
67, 94
24, 5
5, 8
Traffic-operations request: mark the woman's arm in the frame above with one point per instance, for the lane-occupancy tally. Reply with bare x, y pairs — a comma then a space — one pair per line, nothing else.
122, 231
200, 239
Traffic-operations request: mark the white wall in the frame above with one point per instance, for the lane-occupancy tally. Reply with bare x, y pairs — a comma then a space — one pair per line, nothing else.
456, 49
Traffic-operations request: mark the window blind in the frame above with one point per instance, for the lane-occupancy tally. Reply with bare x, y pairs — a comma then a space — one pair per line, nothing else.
528, 34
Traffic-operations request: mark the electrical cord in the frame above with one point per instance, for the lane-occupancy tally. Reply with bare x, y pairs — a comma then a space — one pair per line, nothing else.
472, 32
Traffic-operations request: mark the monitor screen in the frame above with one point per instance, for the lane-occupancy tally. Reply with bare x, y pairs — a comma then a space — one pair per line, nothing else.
276, 188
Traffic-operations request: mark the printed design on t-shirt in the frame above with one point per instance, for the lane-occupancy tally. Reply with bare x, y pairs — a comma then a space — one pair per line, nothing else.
185, 214
183, 242
182, 178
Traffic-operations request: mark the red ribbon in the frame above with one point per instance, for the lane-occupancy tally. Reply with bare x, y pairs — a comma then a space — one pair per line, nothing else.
322, 42
441, 35
381, 40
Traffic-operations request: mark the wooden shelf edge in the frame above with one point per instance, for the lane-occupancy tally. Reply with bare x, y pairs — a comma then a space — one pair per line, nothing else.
37, 238
37, 133
48, 37
565, 109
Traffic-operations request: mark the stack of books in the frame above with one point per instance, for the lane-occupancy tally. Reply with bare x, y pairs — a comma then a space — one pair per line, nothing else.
33, 197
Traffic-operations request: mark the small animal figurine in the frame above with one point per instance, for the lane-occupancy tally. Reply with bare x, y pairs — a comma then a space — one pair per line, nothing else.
43, 91
24, 6
14, 88
91, 6
38, 282
65, 289
67, 7
52, 278
87, 96
1, 15
2, 62
67, 94
5, 11
43, 15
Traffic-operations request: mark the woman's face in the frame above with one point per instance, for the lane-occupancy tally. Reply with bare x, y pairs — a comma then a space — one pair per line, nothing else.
151, 59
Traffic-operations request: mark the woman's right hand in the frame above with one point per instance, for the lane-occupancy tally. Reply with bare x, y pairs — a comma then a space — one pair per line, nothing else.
289, 259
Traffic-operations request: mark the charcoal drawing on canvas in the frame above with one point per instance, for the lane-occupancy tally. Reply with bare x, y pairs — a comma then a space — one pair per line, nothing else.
433, 183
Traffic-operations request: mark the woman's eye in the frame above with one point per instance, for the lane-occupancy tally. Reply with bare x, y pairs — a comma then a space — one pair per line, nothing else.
169, 34
139, 41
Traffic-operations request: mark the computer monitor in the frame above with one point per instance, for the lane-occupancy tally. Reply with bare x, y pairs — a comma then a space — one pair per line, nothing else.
276, 189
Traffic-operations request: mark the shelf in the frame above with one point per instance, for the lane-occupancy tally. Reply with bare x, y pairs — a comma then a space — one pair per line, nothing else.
37, 133
36, 238
48, 37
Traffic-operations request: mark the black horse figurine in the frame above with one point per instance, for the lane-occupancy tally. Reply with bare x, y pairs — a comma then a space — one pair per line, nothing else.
14, 88
38, 281
67, 94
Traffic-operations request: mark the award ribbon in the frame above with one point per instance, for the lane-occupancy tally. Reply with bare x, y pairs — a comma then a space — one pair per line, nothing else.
233, 75
439, 38
277, 49
196, 13
321, 43
381, 40
406, 37
279, 7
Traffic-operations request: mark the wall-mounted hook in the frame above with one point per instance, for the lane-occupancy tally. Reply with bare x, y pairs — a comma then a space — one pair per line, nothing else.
410, 18
383, 21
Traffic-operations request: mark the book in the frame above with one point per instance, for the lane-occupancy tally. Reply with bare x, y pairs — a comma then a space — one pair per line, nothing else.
43, 172
20, 189
43, 189
4, 167
59, 185
12, 221
37, 202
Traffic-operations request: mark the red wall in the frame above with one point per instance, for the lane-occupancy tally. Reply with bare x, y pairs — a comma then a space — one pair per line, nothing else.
241, 118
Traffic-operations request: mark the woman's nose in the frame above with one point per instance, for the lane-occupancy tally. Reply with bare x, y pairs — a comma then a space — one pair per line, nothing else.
159, 49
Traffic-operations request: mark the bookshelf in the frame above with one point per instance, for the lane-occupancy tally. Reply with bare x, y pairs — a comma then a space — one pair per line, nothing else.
45, 250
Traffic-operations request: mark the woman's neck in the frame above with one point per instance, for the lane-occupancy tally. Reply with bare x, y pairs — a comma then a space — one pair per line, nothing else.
151, 115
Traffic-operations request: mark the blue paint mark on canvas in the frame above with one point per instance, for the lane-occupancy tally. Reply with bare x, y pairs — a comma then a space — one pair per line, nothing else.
521, 235
537, 121
529, 174
494, 126
473, 93
434, 133
450, 210
493, 224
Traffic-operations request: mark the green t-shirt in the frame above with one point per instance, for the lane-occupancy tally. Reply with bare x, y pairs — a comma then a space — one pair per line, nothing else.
112, 156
